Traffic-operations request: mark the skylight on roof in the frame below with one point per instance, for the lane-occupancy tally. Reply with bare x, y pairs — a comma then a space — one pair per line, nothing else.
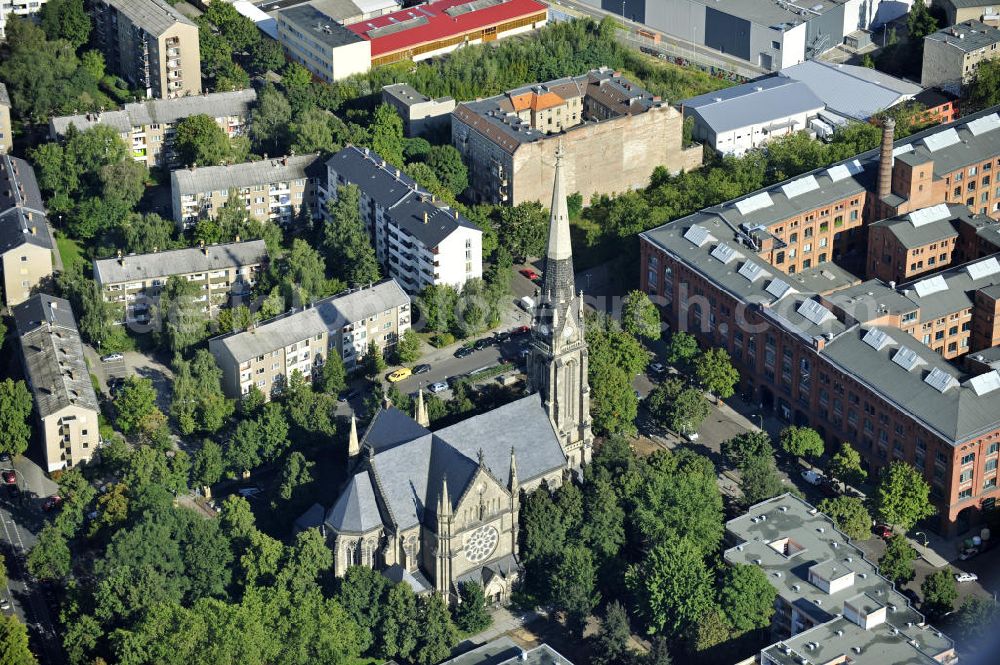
983, 269
752, 271
698, 235
940, 380
815, 312
800, 186
877, 339
926, 287
942, 139
907, 358
842, 171
985, 383
725, 253
778, 288
930, 215
755, 202
985, 124
902, 150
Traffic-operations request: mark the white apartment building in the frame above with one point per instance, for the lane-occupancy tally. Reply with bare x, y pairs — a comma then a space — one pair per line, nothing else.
418, 239
18, 8
377, 313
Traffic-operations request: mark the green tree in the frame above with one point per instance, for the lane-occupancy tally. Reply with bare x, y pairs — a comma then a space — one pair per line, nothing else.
939, 593
237, 29
868, 61
747, 597
198, 402
745, 446
603, 530
387, 134
266, 55
801, 441
919, 22
304, 273
612, 640
673, 587
640, 317
373, 361
975, 617
294, 474
759, 479
399, 631
685, 412
613, 404
182, 323
471, 616
574, 205
897, 562
574, 587
446, 162
902, 497
15, 410
295, 76
333, 376
682, 348
408, 347
14, 649
65, 19
712, 629
984, 89
845, 465
850, 516
438, 634
437, 304
311, 131
199, 140
50, 557
716, 373
522, 229
135, 402
270, 119
208, 463
349, 250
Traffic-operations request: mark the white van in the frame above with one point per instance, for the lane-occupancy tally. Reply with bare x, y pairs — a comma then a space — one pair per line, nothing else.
527, 304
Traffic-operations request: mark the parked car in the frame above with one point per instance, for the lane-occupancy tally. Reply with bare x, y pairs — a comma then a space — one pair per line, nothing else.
482, 343
812, 477
348, 396
4, 457
400, 374
520, 330
112, 357
657, 369
10, 476
438, 387
463, 352
883, 531
966, 577
52, 502
247, 492
422, 369
4, 604
527, 304
529, 273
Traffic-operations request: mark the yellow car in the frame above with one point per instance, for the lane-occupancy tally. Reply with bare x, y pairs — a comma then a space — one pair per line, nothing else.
400, 374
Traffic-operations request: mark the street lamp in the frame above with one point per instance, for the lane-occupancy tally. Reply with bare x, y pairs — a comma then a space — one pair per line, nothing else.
921, 533
760, 419
623, 14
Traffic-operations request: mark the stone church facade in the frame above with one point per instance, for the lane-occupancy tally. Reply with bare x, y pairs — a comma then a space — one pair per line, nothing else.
435, 509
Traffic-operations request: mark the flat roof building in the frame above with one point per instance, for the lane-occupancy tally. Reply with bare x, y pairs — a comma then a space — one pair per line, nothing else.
57, 374
420, 113
959, 11
26, 243
150, 44
832, 605
852, 91
952, 54
272, 190
505, 651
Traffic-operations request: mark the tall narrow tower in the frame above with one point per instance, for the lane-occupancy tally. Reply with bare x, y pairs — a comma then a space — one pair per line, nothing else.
557, 366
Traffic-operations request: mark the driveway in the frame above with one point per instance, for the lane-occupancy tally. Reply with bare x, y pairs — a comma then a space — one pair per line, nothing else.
134, 363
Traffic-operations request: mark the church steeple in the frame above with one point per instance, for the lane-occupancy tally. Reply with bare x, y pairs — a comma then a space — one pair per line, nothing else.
353, 446
420, 410
557, 283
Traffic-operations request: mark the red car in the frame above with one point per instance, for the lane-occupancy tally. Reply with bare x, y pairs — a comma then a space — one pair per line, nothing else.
883, 531
10, 476
52, 502
521, 330
529, 273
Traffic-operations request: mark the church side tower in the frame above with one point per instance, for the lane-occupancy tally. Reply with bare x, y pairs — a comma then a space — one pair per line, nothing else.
557, 366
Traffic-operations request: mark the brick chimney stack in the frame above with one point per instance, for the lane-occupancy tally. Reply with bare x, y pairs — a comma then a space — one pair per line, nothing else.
885, 159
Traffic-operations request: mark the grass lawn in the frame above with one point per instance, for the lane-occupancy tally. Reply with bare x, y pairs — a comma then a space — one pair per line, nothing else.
71, 253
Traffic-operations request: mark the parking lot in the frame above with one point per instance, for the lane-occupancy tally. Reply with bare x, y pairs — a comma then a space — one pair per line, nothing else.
132, 363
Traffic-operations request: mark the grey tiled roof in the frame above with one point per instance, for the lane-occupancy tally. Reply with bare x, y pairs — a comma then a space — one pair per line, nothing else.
959, 294
357, 305
318, 26
161, 111
53, 355
153, 16
967, 36
753, 103
245, 174
356, 511
272, 334
505, 651
408, 95
911, 236
135, 267
21, 212
854, 91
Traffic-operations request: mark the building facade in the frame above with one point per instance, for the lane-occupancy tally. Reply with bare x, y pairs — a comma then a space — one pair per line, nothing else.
832, 605
26, 243
952, 55
314, 39
267, 354
6, 130
960, 11
149, 44
378, 313
54, 366
473, 472
148, 127
271, 190
419, 240
224, 273
868, 364
420, 113
17, 8
509, 141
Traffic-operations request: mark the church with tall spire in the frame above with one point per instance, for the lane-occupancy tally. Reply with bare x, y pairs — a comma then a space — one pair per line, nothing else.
436, 508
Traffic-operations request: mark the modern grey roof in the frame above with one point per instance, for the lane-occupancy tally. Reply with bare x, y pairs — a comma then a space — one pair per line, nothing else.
870, 300
766, 13
4, 97
910, 235
754, 103
787, 538
408, 463
504, 651
53, 355
822, 278
850, 90
160, 111
967, 36
135, 267
318, 26
359, 304
959, 292
245, 174
273, 334
404, 201
153, 16
22, 212
408, 95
